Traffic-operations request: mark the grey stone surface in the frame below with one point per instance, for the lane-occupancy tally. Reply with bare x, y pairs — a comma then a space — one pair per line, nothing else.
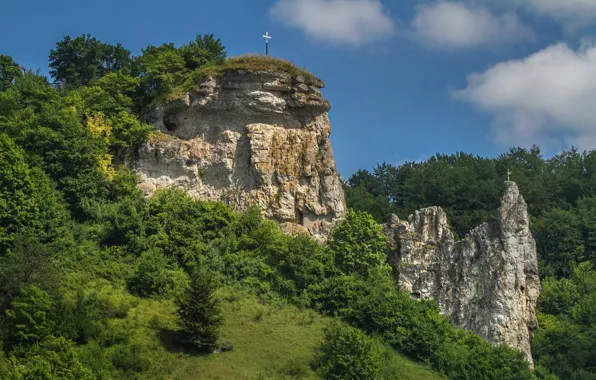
488, 282
247, 138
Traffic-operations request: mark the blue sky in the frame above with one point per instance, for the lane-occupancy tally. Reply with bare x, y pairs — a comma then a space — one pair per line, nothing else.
406, 79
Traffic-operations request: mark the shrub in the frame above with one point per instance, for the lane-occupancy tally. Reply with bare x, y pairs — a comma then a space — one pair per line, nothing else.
156, 276
132, 357
52, 359
347, 354
28, 316
358, 244
86, 316
181, 226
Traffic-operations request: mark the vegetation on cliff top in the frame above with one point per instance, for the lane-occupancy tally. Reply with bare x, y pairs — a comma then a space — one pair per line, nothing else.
258, 63
244, 62
160, 74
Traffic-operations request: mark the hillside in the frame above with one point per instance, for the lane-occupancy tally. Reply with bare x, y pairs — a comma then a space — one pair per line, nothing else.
100, 281
270, 341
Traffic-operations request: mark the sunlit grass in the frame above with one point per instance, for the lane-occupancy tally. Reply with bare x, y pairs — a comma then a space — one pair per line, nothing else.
270, 341
247, 62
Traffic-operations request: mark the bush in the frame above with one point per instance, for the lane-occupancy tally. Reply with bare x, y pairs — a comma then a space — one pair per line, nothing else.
358, 244
28, 316
86, 316
181, 226
130, 357
53, 359
347, 354
156, 276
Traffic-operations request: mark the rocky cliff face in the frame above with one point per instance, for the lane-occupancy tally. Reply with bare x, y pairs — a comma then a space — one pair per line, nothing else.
488, 282
250, 137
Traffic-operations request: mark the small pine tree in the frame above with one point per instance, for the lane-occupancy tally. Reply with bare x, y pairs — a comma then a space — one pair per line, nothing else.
200, 313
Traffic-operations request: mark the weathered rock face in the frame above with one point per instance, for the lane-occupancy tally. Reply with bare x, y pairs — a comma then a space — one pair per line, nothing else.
250, 137
488, 282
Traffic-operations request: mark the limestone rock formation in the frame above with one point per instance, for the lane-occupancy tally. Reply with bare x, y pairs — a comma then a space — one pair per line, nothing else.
488, 282
250, 137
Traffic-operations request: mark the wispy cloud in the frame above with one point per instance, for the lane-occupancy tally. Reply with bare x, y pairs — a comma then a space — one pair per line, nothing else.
342, 22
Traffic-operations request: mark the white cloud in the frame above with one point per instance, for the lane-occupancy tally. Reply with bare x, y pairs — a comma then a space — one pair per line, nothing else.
344, 22
456, 25
548, 96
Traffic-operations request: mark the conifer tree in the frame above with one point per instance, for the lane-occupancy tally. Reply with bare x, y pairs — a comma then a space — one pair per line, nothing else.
199, 312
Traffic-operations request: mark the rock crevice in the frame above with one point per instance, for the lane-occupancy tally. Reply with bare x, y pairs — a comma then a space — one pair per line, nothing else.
488, 282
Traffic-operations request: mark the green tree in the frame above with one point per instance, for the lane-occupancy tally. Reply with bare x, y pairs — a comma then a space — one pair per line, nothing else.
558, 296
358, 244
559, 240
205, 49
162, 68
50, 129
52, 359
28, 316
564, 343
28, 199
9, 71
17, 207
28, 263
181, 226
347, 354
360, 199
199, 312
79, 61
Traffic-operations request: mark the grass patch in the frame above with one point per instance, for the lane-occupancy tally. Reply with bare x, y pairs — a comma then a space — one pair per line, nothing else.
156, 137
244, 62
257, 63
270, 341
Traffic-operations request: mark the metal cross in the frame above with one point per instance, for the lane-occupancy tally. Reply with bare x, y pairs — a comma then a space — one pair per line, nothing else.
267, 37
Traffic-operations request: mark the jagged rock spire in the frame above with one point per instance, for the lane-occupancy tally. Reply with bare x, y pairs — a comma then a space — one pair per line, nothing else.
488, 282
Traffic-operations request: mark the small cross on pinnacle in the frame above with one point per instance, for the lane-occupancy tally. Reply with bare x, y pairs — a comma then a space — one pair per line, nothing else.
267, 37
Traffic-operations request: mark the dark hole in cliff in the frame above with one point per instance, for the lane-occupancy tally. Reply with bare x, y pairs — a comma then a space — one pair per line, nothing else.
170, 123
416, 295
170, 126
300, 218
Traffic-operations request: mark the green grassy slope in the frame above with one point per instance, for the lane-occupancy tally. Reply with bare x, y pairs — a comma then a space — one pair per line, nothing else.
270, 341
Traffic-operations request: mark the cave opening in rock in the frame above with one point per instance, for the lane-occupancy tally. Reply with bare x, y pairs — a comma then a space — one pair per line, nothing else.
170, 126
170, 123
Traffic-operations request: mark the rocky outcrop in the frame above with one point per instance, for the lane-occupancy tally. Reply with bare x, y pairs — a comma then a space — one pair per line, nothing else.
488, 282
250, 137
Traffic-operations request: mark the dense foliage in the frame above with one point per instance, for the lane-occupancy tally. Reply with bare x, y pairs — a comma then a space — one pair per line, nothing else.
561, 196
348, 354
